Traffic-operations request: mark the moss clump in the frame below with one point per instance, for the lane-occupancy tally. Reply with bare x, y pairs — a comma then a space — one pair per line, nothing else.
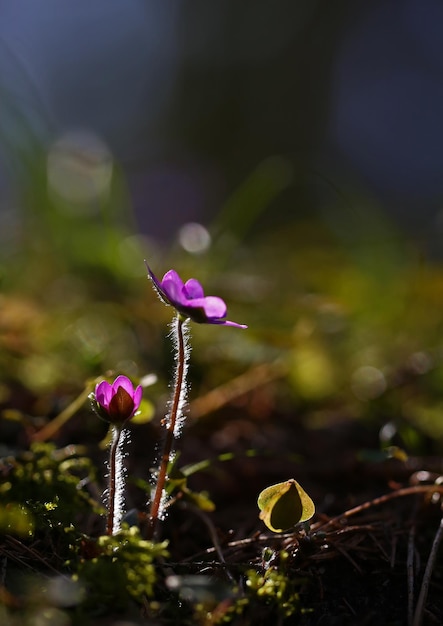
47, 484
275, 588
122, 568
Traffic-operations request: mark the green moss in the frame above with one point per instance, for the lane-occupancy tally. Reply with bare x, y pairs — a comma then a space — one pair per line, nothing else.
47, 483
122, 569
275, 588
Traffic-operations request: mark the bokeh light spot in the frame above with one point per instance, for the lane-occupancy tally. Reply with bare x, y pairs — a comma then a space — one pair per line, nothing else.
79, 170
194, 238
368, 382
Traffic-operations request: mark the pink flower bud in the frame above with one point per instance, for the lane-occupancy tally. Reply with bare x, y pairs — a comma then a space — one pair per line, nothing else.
118, 402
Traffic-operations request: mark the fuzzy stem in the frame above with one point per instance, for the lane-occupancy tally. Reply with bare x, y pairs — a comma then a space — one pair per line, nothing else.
171, 423
113, 488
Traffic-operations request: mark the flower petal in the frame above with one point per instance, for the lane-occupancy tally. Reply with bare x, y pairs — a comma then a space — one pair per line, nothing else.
193, 289
213, 307
103, 393
173, 277
228, 323
153, 277
125, 383
174, 292
137, 397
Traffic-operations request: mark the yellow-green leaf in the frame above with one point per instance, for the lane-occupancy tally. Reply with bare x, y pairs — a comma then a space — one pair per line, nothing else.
284, 505
144, 414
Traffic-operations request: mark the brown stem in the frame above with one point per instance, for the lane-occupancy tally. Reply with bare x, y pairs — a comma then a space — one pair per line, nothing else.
112, 480
170, 424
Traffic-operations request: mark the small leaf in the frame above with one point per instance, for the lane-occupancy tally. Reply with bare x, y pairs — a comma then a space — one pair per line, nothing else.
199, 499
177, 483
144, 414
378, 456
284, 505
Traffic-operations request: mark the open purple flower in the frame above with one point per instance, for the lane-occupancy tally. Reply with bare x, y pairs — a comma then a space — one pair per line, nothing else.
118, 402
190, 301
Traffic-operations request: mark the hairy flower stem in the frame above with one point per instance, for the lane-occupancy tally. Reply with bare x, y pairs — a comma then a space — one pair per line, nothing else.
171, 423
113, 488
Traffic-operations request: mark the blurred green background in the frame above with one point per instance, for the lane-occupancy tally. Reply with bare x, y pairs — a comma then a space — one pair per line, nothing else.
347, 324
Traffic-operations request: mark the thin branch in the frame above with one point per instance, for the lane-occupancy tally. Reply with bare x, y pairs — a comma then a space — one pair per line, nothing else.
400, 493
421, 603
52, 427
213, 534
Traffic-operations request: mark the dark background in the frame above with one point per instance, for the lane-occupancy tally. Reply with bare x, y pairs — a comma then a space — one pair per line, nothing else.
190, 97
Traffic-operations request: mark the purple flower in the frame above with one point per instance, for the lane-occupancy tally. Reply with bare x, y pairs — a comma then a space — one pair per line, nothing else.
190, 301
118, 402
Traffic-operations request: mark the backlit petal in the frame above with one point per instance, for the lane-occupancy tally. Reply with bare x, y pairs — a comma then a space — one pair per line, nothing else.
137, 397
125, 383
234, 324
173, 277
153, 277
103, 393
174, 292
193, 289
212, 306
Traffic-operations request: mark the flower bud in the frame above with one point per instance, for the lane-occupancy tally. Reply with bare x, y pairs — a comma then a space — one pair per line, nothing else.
119, 401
